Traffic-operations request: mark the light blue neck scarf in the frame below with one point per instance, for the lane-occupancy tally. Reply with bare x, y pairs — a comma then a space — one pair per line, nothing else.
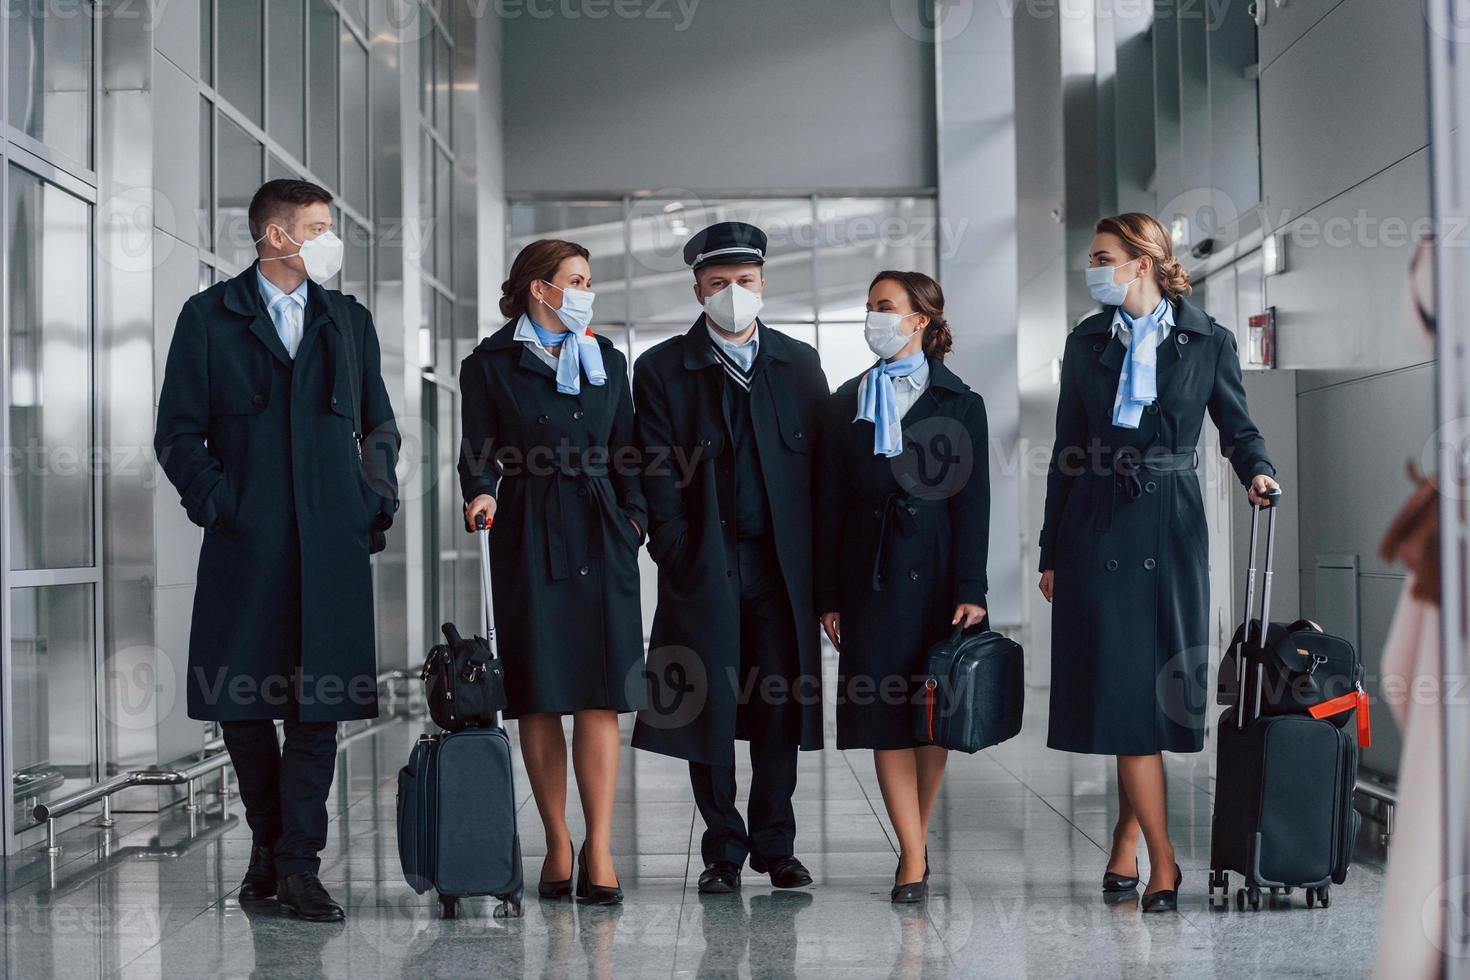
582, 357
1138, 378
876, 402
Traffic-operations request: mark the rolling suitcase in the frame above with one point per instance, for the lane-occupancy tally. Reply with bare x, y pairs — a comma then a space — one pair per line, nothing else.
973, 691
1284, 815
456, 805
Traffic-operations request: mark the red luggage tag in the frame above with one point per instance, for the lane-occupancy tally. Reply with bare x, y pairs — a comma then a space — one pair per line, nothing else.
1357, 698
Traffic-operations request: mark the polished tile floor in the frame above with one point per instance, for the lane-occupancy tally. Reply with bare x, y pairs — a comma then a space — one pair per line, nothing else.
1018, 848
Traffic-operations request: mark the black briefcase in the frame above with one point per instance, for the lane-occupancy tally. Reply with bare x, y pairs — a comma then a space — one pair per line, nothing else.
972, 691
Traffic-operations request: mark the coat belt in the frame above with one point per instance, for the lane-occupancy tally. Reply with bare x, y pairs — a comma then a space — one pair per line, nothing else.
902, 509
1128, 463
560, 494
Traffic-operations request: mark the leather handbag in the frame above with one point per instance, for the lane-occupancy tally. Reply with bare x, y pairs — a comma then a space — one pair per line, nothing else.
972, 691
464, 682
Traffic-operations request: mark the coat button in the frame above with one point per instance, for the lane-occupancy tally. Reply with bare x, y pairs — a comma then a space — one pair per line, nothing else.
911, 510
1153, 408
1150, 486
798, 434
581, 491
259, 400
729, 573
1096, 348
1112, 564
334, 399
724, 523
544, 419
913, 575
583, 570
1183, 337
1149, 563
878, 512
705, 442
577, 414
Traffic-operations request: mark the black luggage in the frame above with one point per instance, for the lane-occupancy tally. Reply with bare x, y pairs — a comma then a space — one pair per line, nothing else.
1284, 815
463, 682
972, 691
456, 803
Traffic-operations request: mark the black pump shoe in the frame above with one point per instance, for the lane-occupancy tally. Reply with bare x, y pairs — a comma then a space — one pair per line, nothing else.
1113, 882
556, 889
909, 894
590, 894
1165, 899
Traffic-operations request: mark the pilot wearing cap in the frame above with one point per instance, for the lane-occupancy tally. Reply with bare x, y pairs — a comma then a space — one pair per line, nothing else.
726, 416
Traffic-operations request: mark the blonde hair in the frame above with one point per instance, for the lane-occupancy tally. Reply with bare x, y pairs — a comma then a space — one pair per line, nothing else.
1143, 235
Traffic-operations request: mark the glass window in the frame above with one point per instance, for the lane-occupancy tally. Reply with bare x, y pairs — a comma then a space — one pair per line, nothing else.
51, 499
858, 237
53, 663
287, 76
276, 168
443, 217
240, 165
206, 41
443, 73
206, 172
50, 75
355, 123
426, 71
356, 261
323, 149
240, 59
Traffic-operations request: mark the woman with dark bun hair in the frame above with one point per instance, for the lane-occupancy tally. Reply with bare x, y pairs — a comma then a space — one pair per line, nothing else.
1124, 546
903, 528
547, 458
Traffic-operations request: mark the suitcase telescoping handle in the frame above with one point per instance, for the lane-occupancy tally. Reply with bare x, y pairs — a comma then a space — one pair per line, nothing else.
482, 533
1273, 495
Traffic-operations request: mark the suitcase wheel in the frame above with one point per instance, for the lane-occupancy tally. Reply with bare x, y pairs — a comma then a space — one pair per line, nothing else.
1220, 880
1251, 894
1322, 895
448, 907
510, 908
1240, 899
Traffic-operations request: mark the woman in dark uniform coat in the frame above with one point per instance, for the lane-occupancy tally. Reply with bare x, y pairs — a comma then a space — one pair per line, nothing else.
1124, 547
547, 458
903, 525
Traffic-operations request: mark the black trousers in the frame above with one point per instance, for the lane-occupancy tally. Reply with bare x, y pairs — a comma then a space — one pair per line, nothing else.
773, 725
284, 788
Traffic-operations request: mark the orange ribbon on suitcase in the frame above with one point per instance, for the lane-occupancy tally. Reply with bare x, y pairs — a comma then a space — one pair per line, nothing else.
1353, 699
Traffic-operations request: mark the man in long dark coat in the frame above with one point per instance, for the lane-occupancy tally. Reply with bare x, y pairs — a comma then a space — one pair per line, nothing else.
726, 415
276, 429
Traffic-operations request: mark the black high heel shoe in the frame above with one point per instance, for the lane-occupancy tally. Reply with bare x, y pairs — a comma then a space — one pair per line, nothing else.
590, 894
1165, 899
1113, 882
912, 892
926, 862
556, 889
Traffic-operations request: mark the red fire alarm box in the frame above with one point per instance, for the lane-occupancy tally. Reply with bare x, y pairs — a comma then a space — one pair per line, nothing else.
1261, 348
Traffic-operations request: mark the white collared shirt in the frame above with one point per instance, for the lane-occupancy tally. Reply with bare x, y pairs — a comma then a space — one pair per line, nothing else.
907, 389
1121, 330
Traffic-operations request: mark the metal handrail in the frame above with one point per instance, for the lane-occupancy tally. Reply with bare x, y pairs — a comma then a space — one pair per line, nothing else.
168, 776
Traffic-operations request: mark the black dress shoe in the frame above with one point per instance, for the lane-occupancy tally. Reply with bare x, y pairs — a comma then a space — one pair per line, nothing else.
785, 872
556, 889
1165, 899
1121, 883
260, 878
909, 894
303, 896
590, 894
719, 878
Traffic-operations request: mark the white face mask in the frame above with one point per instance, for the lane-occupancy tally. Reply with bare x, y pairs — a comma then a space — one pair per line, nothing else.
321, 255
733, 308
881, 332
576, 307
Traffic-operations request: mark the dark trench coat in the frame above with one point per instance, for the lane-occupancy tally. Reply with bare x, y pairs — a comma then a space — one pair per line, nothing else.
694, 648
563, 549
1125, 533
900, 543
262, 451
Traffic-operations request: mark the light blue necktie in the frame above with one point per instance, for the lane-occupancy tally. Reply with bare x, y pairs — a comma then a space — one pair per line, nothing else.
742, 354
584, 356
1138, 379
876, 402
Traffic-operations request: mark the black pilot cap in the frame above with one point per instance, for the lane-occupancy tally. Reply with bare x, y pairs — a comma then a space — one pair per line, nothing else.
727, 243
